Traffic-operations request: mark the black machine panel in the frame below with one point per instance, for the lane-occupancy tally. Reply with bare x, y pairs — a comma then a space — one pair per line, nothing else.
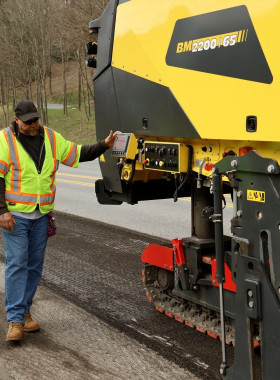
171, 157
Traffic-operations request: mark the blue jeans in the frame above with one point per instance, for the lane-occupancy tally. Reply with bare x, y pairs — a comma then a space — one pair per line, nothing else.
24, 253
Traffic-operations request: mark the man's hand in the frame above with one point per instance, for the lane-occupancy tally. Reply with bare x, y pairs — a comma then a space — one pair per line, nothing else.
7, 221
109, 141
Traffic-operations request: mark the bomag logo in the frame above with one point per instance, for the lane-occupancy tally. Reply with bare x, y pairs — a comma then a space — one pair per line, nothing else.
223, 43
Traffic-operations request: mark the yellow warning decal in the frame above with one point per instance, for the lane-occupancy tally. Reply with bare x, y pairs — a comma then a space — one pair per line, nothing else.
256, 196
102, 158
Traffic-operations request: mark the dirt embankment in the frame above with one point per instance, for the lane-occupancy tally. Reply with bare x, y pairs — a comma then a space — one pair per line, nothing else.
72, 79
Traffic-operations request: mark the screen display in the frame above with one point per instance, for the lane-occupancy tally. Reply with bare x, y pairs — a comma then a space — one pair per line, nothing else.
120, 145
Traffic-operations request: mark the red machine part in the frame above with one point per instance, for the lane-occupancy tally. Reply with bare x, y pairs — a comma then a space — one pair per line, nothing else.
162, 257
158, 256
228, 284
208, 167
244, 150
179, 252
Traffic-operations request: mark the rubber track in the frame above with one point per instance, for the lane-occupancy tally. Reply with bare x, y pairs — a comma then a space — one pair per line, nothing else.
193, 315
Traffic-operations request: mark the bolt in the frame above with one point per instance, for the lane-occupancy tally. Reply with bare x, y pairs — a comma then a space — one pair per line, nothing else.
239, 194
270, 169
234, 163
250, 293
239, 213
251, 304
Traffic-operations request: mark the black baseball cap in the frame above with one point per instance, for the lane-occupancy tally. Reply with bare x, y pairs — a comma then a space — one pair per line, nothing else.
26, 110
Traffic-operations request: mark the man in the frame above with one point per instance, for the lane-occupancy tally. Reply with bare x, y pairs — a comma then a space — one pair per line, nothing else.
29, 158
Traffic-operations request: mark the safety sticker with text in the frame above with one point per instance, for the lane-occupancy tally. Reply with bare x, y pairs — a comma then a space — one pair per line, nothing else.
256, 196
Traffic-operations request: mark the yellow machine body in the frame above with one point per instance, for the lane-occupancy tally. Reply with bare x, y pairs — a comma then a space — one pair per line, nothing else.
217, 105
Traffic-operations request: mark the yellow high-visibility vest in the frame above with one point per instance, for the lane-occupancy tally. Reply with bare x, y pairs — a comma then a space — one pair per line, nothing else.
25, 187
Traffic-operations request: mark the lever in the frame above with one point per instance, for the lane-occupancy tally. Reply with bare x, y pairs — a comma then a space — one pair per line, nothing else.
217, 218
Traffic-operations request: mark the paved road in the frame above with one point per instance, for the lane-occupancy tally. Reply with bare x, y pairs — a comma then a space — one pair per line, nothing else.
75, 345
53, 106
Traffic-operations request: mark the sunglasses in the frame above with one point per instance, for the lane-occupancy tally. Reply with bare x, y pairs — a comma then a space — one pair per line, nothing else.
31, 121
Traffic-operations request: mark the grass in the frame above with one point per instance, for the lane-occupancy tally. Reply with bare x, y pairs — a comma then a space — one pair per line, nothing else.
72, 98
74, 127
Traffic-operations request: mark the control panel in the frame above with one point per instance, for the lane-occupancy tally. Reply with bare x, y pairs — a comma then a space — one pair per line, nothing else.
125, 146
168, 157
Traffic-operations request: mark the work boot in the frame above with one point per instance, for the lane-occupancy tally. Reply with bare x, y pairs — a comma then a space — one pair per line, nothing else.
15, 331
30, 325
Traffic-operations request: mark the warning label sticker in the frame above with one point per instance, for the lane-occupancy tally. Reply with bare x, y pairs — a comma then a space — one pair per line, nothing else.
256, 196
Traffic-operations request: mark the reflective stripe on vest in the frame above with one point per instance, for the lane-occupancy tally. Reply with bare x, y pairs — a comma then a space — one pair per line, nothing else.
30, 199
13, 152
51, 135
47, 199
4, 167
52, 177
72, 155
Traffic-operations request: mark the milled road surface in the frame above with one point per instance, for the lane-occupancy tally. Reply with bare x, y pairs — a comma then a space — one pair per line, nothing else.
96, 320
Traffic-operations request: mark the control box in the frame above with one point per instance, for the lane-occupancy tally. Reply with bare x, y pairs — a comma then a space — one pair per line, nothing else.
125, 146
164, 156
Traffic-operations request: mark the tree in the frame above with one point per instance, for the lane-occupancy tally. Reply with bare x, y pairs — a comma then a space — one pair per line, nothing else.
34, 35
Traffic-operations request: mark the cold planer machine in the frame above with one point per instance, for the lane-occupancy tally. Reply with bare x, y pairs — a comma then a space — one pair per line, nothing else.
194, 89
